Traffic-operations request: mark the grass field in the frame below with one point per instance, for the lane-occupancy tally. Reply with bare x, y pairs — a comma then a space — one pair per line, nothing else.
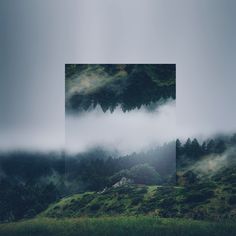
114, 226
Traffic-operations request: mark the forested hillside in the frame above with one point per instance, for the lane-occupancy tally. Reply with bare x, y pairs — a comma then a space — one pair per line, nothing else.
205, 181
108, 85
29, 182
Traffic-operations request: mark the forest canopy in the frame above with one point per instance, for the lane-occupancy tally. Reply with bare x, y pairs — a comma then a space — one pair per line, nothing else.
110, 85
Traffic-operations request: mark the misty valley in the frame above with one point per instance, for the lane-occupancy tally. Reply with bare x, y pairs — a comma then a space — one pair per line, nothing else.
96, 183
200, 186
32, 181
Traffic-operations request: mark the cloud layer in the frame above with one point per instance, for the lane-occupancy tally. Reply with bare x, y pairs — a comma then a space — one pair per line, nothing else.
125, 132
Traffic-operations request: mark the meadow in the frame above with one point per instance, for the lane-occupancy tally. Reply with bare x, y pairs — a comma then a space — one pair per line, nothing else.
121, 225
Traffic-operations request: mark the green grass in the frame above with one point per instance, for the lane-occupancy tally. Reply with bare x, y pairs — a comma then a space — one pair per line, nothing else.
114, 226
205, 201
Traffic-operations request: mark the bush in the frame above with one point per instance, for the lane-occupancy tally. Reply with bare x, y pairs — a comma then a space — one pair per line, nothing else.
136, 200
232, 200
95, 206
118, 176
196, 197
144, 174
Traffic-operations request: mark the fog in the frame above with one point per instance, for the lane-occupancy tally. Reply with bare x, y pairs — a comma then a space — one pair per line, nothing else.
211, 164
203, 131
88, 82
32, 137
125, 132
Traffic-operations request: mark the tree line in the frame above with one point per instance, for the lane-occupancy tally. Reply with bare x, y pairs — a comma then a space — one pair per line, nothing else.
193, 149
29, 182
137, 85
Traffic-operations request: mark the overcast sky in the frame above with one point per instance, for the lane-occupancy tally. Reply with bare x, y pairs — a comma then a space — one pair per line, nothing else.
39, 37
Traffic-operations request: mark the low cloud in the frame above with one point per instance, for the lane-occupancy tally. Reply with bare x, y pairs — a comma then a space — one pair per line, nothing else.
32, 138
125, 132
211, 164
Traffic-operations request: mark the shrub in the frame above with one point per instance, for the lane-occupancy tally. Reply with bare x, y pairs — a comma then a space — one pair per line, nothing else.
232, 200
196, 197
144, 174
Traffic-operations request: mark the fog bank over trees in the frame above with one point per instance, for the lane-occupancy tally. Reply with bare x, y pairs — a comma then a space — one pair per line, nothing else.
126, 132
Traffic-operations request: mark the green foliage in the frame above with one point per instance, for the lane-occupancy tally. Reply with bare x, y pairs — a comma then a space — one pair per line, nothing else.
112, 201
117, 226
206, 200
196, 197
139, 174
144, 174
192, 150
110, 85
232, 200
207, 172
99, 171
29, 182
18, 200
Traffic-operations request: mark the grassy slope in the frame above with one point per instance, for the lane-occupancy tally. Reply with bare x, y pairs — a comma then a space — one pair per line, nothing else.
104, 226
125, 200
115, 207
139, 210
115, 201
201, 201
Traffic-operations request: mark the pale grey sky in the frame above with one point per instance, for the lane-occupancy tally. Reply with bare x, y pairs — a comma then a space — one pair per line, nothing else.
39, 37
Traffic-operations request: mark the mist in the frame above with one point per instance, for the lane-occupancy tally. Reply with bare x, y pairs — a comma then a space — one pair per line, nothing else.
89, 82
203, 131
32, 137
211, 164
125, 132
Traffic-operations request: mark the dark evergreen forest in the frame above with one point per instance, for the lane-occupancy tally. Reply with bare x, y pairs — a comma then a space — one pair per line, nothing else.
29, 182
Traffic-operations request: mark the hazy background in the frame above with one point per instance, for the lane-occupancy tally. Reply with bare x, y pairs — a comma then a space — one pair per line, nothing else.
39, 37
